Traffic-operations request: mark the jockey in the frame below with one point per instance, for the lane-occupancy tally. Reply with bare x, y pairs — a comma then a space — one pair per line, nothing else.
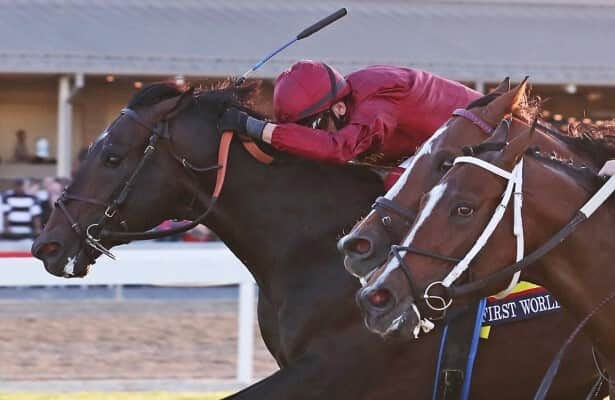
380, 114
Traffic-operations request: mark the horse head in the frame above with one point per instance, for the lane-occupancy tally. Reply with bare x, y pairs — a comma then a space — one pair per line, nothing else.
138, 173
367, 246
450, 216
465, 230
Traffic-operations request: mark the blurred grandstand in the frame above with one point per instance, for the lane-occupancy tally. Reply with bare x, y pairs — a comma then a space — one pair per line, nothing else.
67, 67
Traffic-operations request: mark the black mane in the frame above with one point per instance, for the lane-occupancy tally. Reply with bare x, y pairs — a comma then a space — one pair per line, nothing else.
596, 141
583, 174
210, 102
215, 99
154, 94
224, 95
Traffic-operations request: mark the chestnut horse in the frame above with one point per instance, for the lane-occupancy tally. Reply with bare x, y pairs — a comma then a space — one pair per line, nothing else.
368, 244
457, 219
282, 221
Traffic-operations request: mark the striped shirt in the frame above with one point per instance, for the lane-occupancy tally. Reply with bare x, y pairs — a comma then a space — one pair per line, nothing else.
19, 213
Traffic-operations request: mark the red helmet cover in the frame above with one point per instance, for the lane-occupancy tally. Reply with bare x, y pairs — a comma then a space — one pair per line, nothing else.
305, 89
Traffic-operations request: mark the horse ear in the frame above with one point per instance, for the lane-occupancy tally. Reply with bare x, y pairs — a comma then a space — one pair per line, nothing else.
505, 104
185, 99
500, 135
166, 107
511, 154
520, 96
502, 87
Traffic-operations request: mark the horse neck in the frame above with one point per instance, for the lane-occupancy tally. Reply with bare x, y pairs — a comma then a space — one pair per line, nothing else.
578, 272
282, 221
580, 275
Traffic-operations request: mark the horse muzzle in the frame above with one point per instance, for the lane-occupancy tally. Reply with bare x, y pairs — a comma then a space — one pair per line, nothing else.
363, 253
385, 315
60, 261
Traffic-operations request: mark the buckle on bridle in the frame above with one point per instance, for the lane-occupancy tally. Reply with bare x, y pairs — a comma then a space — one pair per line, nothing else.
95, 242
109, 213
443, 303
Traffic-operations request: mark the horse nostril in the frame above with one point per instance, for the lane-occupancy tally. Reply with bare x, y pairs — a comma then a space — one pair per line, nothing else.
47, 249
359, 246
380, 298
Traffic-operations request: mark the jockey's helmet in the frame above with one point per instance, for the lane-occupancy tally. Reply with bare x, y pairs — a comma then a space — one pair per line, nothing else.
306, 89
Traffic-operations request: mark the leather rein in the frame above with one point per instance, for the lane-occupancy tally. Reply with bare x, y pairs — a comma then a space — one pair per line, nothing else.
93, 234
514, 179
383, 206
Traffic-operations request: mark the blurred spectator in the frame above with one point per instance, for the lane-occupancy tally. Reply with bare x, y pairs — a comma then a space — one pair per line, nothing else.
41, 151
32, 186
53, 191
41, 192
48, 181
20, 153
22, 212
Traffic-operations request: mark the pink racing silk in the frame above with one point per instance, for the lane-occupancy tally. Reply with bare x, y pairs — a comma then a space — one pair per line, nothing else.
391, 112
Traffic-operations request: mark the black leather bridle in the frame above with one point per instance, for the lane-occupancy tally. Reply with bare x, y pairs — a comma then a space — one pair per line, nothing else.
94, 233
383, 204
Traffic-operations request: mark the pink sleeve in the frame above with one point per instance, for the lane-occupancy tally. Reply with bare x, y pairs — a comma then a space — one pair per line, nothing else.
368, 126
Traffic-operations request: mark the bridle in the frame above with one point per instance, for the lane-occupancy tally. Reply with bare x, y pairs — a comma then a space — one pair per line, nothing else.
93, 234
441, 303
384, 206
514, 188
514, 180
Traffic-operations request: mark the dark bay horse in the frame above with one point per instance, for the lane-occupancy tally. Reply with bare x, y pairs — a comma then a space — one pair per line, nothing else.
579, 271
282, 221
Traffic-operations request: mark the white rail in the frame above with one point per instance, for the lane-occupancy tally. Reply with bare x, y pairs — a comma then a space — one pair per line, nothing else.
159, 264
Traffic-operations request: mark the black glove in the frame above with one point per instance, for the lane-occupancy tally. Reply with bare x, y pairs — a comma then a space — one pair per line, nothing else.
239, 121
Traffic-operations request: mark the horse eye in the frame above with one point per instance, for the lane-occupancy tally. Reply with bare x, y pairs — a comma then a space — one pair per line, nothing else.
112, 160
464, 211
446, 165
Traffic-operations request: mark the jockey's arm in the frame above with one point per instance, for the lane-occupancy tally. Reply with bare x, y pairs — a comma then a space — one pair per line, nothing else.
368, 126
320, 145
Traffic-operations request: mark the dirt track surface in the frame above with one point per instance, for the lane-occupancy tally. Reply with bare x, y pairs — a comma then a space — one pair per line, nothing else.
104, 339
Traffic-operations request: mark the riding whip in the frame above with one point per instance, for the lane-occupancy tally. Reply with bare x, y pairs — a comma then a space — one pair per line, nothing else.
106, 234
302, 35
